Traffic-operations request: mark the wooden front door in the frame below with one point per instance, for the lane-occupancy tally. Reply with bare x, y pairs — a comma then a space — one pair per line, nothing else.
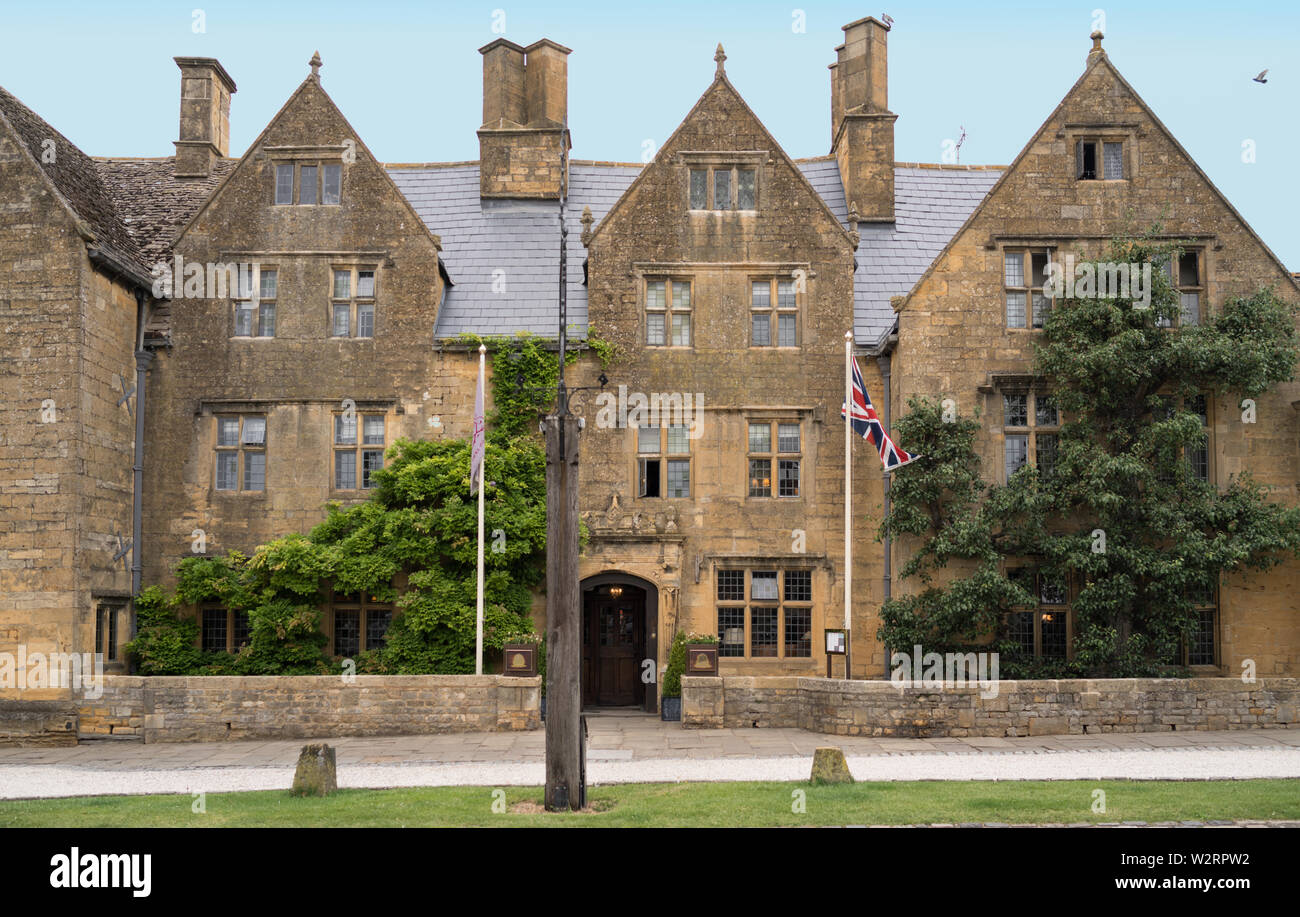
613, 646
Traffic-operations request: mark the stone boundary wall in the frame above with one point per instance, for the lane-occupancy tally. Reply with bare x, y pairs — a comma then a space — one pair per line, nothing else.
40, 722
214, 708
1021, 708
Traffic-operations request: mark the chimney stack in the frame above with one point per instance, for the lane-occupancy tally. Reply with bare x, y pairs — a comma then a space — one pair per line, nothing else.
862, 126
206, 89
525, 109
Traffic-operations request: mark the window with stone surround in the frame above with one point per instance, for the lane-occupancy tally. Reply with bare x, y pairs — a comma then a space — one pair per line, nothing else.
1201, 648
723, 186
357, 622
1024, 276
667, 312
1045, 629
773, 313
108, 618
1184, 273
354, 467
1031, 426
352, 302
241, 452
663, 461
222, 630
255, 302
309, 182
764, 613
775, 446
1099, 159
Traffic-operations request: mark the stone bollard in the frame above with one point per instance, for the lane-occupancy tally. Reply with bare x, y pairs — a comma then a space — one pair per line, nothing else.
317, 774
829, 766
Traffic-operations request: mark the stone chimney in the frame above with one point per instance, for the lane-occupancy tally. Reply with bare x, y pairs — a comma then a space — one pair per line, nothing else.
862, 126
206, 89
525, 109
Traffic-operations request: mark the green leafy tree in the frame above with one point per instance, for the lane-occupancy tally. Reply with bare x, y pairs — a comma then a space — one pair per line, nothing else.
1127, 387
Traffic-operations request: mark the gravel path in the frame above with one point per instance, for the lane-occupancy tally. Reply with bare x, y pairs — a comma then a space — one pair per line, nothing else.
52, 780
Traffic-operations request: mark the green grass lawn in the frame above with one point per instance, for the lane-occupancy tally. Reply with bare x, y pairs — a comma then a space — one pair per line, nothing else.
686, 805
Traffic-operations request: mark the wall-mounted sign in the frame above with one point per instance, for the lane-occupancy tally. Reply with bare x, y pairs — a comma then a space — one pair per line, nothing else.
520, 659
701, 659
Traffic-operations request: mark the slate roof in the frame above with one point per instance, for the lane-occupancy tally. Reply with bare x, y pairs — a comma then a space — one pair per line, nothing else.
520, 239
512, 242
74, 175
930, 205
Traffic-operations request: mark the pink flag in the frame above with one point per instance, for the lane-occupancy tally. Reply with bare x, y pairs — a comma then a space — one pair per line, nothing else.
480, 431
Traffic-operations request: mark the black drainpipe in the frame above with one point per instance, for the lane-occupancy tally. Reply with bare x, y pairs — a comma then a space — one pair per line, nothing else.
143, 359
883, 362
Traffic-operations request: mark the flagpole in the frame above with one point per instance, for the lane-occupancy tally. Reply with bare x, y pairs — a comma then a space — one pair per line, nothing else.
848, 503
478, 609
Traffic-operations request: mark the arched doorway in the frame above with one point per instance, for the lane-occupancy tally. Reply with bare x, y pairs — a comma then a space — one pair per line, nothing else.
619, 630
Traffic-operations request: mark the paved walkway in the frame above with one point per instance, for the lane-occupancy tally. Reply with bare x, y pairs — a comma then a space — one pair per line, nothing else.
638, 748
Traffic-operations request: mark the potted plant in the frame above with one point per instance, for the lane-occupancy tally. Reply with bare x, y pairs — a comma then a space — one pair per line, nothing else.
671, 693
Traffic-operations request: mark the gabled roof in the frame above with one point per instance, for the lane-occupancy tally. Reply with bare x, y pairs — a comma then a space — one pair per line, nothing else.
75, 179
1102, 60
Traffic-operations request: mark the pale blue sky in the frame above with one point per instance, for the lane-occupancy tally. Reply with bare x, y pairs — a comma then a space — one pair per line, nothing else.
408, 75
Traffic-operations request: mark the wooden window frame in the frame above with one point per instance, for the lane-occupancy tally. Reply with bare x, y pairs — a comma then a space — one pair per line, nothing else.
364, 603
1041, 609
242, 450
232, 616
774, 456
671, 309
780, 603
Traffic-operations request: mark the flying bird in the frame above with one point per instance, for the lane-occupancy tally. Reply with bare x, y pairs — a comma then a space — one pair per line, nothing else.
1262, 74
887, 19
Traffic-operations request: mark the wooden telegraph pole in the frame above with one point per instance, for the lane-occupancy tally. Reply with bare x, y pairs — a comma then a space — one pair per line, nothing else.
565, 748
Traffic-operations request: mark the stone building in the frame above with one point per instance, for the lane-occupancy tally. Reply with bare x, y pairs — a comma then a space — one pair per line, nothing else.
726, 272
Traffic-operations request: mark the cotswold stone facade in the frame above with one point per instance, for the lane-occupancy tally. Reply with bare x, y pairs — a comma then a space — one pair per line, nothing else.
725, 272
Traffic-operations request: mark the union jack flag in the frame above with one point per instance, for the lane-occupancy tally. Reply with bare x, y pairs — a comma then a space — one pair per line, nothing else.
868, 425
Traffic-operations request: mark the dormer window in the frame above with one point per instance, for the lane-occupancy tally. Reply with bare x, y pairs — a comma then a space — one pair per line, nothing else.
1098, 159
